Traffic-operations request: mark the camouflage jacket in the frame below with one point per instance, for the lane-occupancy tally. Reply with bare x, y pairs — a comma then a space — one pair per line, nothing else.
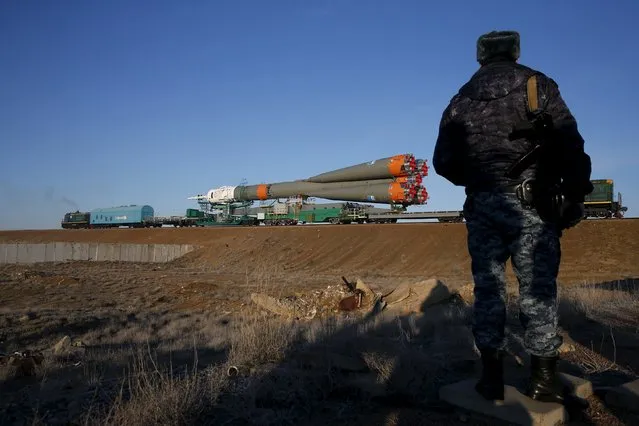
473, 148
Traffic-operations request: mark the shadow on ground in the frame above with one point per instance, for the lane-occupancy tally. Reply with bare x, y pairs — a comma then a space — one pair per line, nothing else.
389, 369
381, 368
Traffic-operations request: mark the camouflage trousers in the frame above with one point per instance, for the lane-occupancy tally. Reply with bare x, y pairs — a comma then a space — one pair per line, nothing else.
499, 228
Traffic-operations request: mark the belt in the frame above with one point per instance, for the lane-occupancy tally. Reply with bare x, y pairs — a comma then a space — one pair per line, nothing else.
508, 189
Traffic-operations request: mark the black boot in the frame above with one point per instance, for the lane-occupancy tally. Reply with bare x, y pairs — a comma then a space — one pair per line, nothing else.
545, 385
491, 383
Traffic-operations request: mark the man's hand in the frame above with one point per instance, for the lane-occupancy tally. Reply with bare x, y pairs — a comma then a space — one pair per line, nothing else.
571, 214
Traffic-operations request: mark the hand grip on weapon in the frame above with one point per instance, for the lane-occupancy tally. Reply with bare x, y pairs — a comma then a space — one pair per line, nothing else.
571, 214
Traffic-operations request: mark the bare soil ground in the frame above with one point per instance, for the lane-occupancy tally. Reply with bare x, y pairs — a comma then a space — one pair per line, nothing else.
594, 250
138, 344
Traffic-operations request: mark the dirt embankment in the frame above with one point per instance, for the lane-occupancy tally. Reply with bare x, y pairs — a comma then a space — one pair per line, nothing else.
593, 251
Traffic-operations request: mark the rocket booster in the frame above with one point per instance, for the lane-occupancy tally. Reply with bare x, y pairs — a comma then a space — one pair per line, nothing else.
396, 166
396, 179
393, 193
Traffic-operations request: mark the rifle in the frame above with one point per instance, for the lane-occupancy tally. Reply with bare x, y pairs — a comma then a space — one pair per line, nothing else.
540, 129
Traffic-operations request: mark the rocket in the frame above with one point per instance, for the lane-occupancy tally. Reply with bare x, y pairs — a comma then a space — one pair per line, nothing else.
392, 180
396, 166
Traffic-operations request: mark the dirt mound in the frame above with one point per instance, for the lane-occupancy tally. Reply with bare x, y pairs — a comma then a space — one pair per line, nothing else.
593, 251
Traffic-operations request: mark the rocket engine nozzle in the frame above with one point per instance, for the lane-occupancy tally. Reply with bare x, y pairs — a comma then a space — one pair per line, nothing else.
421, 167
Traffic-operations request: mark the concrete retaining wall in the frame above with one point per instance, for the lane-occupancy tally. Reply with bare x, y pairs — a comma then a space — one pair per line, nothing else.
62, 252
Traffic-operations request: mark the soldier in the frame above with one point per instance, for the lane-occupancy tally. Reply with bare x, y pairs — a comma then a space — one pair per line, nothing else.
508, 216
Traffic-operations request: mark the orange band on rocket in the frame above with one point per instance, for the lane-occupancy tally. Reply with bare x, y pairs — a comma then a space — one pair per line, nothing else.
262, 192
396, 164
396, 192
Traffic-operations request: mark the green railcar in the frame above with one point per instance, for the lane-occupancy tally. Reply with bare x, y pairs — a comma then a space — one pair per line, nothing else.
334, 213
293, 216
227, 221
600, 203
194, 213
75, 220
322, 215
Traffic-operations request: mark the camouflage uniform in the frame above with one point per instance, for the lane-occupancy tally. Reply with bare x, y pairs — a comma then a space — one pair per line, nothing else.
499, 227
474, 149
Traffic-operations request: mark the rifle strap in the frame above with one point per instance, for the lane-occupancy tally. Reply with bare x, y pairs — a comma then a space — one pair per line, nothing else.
533, 103
533, 106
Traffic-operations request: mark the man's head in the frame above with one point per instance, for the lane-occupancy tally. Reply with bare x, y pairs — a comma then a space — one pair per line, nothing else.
498, 45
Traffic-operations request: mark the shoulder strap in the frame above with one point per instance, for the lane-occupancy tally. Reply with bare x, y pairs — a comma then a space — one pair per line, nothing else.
533, 103
533, 107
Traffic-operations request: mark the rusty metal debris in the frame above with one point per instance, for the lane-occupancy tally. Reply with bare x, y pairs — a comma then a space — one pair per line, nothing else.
356, 296
304, 306
407, 297
24, 362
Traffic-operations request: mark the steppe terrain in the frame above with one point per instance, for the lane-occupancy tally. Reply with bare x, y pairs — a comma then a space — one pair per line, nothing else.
249, 328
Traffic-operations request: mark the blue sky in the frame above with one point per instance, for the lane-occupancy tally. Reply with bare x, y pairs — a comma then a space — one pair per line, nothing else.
133, 102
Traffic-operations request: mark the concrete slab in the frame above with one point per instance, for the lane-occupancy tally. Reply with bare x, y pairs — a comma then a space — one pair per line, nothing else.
625, 396
62, 252
79, 251
105, 252
49, 252
124, 253
24, 254
516, 407
134, 253
73, 251
164, 249
38, 252
69, 251
145, 251
128, 253
93, 251
578, 387
159, 253
117, 252
9, 253
100, 253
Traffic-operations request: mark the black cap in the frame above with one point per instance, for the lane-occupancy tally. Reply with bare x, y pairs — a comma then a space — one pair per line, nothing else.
498, 44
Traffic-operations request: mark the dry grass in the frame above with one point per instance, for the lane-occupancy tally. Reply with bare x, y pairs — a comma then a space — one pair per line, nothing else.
604, 321
152, 395
614, 304
261, 340
141, 366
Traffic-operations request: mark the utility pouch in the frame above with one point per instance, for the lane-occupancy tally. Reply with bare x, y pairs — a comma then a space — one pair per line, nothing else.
549, 204
556, 203
525, 194
547, 201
